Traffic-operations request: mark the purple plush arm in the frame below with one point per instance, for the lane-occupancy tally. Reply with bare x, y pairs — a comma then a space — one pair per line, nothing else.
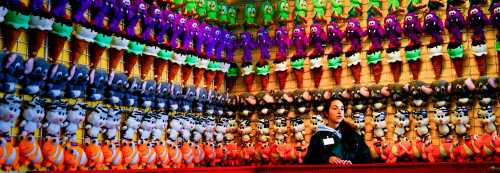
78, 9
59, 8
100, 9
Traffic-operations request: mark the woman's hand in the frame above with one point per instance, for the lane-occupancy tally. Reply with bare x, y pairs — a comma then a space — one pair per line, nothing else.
338, 161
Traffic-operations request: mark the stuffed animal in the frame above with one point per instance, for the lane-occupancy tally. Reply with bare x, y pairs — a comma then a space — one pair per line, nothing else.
454, 23
132, 93
130, 155
187, 155
318, 102
178, 29
413, 30
10, 109
201, 9
56, 82
147, 125
14, 23
160, 125
462, 89
212, 10
300, 10
231, 68
211, 45
35, 73
77, 81
247, 44
433, 25
222, 13
250, 13
40, 24
95, 121
283, 42
283, 102
319, 10
53, 154
162, 91
12, 71
354, 33
56, 115
441, 97
317, 37
82, 37
264, 42
119, 12
219, 66
101, 9
78, 11
222, 130
298, 129
112, 155
163, 158
117, 85
378, 99
97, 84
359, 96
95, 155
299, 41
283, 10
30, 153
147, 155
187, 128
419, 92
466, 150
135, 12
175, 128
393, 32
375, 33
476, 20
149, 22
76, 115
75, 158
302, 102
33, 114
334, 38
147, 93
112, 123
132, 124
400, 94
10, 157
485, 88
494, 10
267, 12
486, 146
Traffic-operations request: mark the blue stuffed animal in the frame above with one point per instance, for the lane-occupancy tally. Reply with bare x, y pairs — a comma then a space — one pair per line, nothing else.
56, 82
97, 83
77, 81
148, 93
12, 72
187, 100
35, 74
162, 92
175, 97
201, 97
132, 94
117, 86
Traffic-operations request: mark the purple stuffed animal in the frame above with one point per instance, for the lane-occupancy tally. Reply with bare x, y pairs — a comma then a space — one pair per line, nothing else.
413, 30
476, 21
247, 44
38, 6
393, 32
191, 32
375, 33
283, 42
160, 26
177, 29
495, 20
454, 23
354, 33
264, 42
219, 43
58, 9
334, 37
299, 40
209, 41
434, 27
78, 9
149, 22
317, 37
101, 9
136, 12
199, 41
117, 14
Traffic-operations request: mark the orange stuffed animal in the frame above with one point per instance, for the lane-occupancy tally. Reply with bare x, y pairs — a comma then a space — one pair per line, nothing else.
187, 155
147, 155
112, 156
233, 156
9, 158
53, 154
198, 154
130, 155
175, 155
74, 158
210, 154
487, 146
440, 153
466, 151
220, 154
30, 152
418, 151
162, 158
95, 154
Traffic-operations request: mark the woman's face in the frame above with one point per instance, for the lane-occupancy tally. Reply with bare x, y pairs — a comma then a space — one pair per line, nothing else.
336, 112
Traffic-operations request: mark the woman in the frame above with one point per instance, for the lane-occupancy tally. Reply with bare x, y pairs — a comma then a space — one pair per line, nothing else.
336, 142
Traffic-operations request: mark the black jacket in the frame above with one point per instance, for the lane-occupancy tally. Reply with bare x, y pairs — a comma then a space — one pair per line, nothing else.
351, 146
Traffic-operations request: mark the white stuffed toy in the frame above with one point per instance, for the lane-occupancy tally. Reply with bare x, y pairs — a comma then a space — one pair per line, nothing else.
95, 121
280, 130
442, 120
379, 124
422, 123
245, 130
210, 129
10, 109
159, 125
231, 128
112, 123
220, 129
175, 129
147, 126
187, 128
298, 128
76, 115
33, 115
132, 124
199, 129
401, 123
263, 127
56, 115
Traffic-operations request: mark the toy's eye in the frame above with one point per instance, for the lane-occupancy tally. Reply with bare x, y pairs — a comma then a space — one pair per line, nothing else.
142, 6
409, 18
497, 10
371, 23
428, 17
351, 24
452, 13
474, 11
157, 11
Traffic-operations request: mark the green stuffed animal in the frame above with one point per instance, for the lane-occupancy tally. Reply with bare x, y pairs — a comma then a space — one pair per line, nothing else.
177, 4
250, 14
337, 9
267, 11
222, 13
190, 7
301, 10
232, 17
201, 9
374, 7
283, 11
355, 8
319, 9
212, 10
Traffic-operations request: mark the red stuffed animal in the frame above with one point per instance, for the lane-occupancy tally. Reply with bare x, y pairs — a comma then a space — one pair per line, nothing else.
440, 153
467, 150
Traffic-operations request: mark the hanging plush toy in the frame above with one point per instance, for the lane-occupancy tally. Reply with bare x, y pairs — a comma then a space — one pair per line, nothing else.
147, 59
433, 25
419, 93
495, 21
413, 30
119, 12
299, 40
441, 98
12, 71
10, 109
232, 17
56, 115
401, 121
56, 82
264, 42
97, 83
112, 155
116, 88
13, 25
53, 154
353, 33
462, 90
283, 9
317, 37
334, 38
100, 9
95, 121
134, 50
76, 115
393, 32
374, 8
378, 99
35, 73
130, 155
250, 15
147, 94
112, 123
466, 150
201, 9
359, 96
222, 13
30, 152
233, 71
455, 22
485, 87
10, 156
211, 42
95, 156
117, 49
147, 155
132, 124
40, 25
190, 7
212, 10
318, 103
282, 41
78, 9
136, 12
319, 10
337, 7
33, 115
476, 20
219, 65
267, 11
375, 33
148, 22
77, 81
300, 10
247, 44
198, 43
